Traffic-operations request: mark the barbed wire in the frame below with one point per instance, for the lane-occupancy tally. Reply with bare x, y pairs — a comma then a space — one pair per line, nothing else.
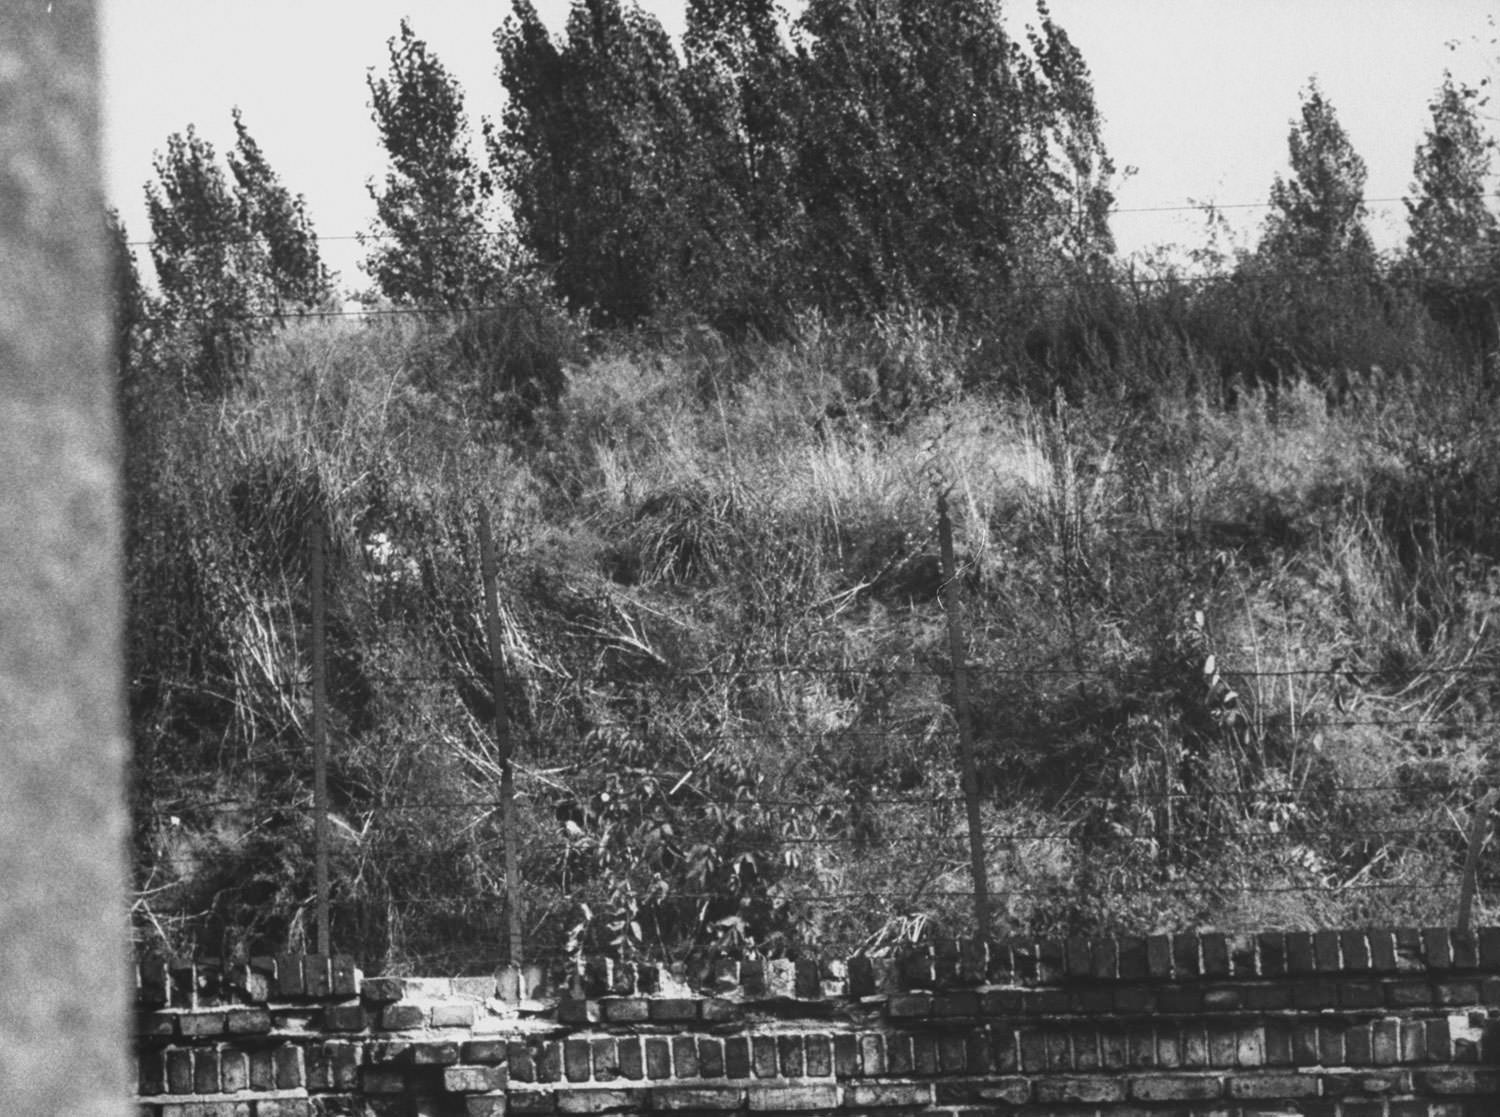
465, 232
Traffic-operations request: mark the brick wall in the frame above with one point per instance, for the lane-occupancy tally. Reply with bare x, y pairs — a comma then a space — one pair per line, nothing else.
1402, 1023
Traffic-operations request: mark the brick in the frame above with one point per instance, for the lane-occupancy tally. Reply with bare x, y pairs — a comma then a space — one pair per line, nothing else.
247, 1021
1272, 949
1437, 948
1006, 1051
1382, 950
952, 1054
1439, 1041
1246, 1086
1001, 965
289, 1070
453, 1014
319, 1061
697, 1098
1365, 1082
978, 1052
532, 1101
1141, 1049
346, 1058
1185, 956
1223, 1045
626, 1010
277, 1107
1413, 1041
960, 1004
1275, 996
1159, 957
1408, 994
1215, 950
898, 1054
375, 1081
716, 1010
343, 976
892, 1094
1049, 960
1114, 1050
1385, 1042
343, 1018
658, 1058
1223, 999
1451, 993
1465, 949
604, 1055
861, 977
1278, 1035
1251, 1049
710, 1058
206, 1071
789, 1099
262, 1070
1355, 948
673, 1010
632, 1059
597, 1101
736, 1057
155, 983
685, 1057
908, 1006
973, 961
202, 1023
381, 990
1242, 961
1299, 953
484, 1105
1180, 999
845, 1056
575, 1057
289, 975
1361, 994
547, 1058
1462, 1081
1330, 1045
1326, 954
519, 1059
1033, 1052
1358, 1046
924, 1054
472, 1080
1409, 950
1488, 941
817, 1054
316, 979
1079, 1091
1168, 1049
443, 1054
1076, 954
1176, 1087
402, 1017
763, 1056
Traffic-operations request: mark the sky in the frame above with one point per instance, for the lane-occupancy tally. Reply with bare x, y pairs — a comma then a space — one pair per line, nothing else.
1198, 95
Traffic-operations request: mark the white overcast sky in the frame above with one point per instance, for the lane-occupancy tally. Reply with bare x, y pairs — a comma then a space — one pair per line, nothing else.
1198, 95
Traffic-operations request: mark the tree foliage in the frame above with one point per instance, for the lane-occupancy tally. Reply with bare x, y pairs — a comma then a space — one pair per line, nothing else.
1453, 239
1317, 215
877, 153
435, 243
601, 156
232, 261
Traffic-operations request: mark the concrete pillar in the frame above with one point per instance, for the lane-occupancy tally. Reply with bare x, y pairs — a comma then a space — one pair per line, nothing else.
63, 959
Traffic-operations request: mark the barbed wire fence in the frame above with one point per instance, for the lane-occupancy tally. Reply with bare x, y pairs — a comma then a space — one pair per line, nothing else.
461, 846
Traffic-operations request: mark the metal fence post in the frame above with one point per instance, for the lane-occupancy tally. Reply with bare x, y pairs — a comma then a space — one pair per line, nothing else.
953, 605
503, 744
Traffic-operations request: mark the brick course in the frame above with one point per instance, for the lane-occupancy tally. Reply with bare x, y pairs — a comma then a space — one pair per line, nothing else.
1340, 1023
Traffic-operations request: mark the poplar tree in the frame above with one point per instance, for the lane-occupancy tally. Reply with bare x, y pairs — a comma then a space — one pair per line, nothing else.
1453, 239
233, 261
1317, 215
602, 160
435, 243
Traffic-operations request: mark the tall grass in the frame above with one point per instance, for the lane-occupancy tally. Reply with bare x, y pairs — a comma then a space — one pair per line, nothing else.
1205, 620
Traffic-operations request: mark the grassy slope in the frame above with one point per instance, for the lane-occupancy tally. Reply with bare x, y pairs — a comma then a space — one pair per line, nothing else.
1197, 634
